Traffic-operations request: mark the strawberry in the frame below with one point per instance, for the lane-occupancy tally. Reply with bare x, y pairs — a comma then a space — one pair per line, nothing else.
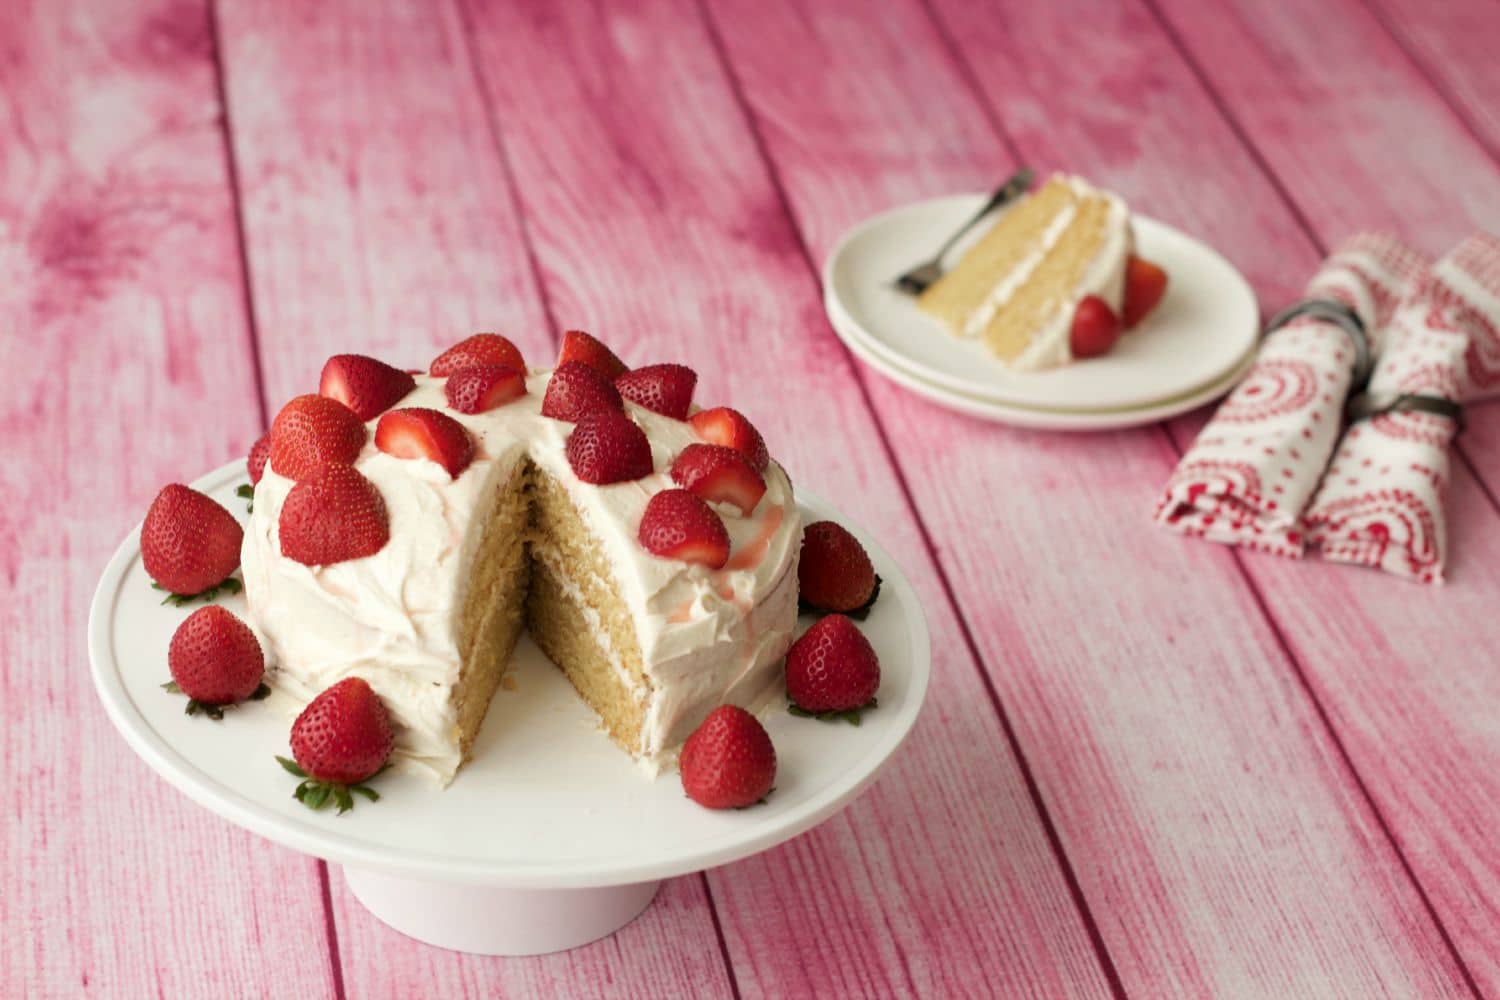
215, 660
1145, 284
832, 670
312, 430
728, 762
189, 543
834, 572
575, 390
484, 387
720, 474
417, 432
332, 516
255, 464
607, 447
584, 349
1095, 328
728, 427
664, 389
342, 739
677, 525
480, 349
366, 386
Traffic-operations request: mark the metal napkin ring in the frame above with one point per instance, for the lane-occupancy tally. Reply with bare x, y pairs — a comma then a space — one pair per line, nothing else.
1342, 315
1362, 407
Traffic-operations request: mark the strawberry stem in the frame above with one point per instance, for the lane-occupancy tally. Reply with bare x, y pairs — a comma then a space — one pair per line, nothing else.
215, 712
229, 585
316, 793
849, 715
247, 492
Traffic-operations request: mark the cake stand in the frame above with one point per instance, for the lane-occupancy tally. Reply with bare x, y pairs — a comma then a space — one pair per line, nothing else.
550, 837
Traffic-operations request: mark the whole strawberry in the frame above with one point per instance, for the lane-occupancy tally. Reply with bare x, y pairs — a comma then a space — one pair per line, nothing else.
575, 390
832, 670
607, 447
834, 572
728, 762
215, 660
334, 515
342, 739
311, 431
189, 543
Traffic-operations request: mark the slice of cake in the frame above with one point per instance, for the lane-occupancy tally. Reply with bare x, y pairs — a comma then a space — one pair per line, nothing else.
1017, 288
504, 520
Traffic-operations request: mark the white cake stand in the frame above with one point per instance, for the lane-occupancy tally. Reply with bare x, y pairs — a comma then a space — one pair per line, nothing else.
551, 837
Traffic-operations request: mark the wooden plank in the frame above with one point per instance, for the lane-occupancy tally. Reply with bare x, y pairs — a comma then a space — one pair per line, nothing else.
1218, 835
128, 353
379, 219
657, 226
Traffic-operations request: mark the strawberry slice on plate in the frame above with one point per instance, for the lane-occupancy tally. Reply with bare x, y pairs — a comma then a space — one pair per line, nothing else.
1095, 328
417, 432
1145, 285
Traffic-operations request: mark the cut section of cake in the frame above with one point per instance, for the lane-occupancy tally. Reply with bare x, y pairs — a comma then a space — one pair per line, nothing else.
517, 540
1017, 287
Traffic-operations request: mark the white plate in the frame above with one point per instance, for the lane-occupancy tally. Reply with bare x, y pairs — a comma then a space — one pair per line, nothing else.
1203, 330
548, 802
1044, 419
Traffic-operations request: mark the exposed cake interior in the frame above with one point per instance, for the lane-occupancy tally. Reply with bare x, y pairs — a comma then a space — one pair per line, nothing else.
1015, 289
517, 543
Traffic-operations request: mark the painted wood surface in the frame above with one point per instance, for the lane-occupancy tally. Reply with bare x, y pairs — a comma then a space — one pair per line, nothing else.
1257, 784
1186, 664
127, 350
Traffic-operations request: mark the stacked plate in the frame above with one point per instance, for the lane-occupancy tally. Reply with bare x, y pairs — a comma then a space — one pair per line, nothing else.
1192, 349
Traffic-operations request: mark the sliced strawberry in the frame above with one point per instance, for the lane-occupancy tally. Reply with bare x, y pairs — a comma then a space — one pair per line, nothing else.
720, 474
255, 464
832, 668
728, 762
1095, 328
484, 387
607, 447
575, 390
727, 427
311, 431
678, 525
333, 516
480, 349
342, 738
584, 349
1145, 284
189, 542
215, 659
366, 386
664, 389
417, 432
834, 572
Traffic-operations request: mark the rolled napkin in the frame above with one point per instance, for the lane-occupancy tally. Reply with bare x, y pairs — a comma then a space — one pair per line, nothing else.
1382, 502
1256, 464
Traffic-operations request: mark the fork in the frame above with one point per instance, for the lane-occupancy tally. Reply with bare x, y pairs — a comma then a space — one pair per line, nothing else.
917, 280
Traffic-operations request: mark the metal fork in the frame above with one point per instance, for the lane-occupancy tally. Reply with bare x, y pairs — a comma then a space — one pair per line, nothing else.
917, 280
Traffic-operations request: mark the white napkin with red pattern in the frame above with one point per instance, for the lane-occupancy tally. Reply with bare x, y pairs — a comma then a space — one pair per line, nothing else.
1256, 464
1382, 501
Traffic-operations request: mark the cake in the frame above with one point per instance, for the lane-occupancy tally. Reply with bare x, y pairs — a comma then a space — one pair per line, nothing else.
518, 541
1017, 288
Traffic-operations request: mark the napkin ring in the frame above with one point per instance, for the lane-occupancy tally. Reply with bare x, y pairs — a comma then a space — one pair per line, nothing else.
1362, 407
1341, 315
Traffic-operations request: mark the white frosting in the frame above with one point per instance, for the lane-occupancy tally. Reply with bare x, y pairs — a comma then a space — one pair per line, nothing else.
1104, 277
706, 637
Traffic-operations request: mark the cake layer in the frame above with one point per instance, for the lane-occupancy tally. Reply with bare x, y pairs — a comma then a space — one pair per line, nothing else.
1017, 287
397, 618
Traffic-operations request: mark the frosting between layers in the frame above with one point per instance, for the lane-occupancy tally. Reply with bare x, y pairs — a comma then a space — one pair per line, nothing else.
706, 637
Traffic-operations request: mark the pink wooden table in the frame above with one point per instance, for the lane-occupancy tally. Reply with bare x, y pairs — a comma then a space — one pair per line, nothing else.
1147, 766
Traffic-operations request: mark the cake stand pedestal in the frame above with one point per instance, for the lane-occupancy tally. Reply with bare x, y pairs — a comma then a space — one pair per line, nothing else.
550, 837
489, 921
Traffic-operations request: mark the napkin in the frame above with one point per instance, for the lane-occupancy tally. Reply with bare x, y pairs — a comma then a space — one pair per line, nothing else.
1382, 501
1257, 463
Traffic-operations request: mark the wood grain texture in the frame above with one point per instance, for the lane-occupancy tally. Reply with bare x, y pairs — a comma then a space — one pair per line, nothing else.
378, 219
1219, 837
126, 343
656, 226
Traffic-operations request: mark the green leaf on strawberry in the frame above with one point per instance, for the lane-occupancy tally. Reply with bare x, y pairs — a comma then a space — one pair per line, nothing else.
849, 715
246, 492
315, 793
229, 585
215, 712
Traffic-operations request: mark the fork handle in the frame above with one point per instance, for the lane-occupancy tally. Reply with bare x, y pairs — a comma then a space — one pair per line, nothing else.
1020, 182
